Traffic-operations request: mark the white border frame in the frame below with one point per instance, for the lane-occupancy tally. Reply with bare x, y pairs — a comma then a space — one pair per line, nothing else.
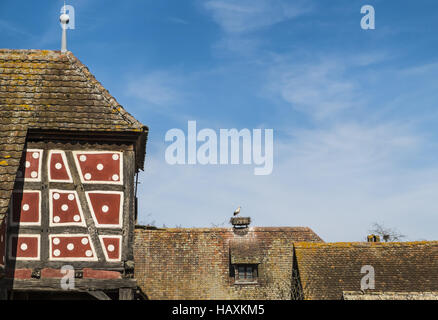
24, 235
12, 209
81, 175
67, 167
78, 203
41, 152
68, 235
122, 203
104, 249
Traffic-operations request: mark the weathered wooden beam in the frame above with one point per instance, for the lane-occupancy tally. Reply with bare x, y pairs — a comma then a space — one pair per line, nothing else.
3, 293
99, 295
81, 285
126, 294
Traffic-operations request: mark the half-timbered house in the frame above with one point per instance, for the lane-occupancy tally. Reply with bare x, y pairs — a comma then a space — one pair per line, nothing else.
69, 155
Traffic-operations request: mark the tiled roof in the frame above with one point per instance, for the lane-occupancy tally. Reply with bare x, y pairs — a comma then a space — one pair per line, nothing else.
50, 90
195, 263
360, 295
326, 270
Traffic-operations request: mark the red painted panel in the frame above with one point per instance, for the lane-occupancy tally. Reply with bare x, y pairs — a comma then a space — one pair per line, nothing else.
106, 207
51, 273
19, 273
24, 247
100, 166
111, 246
32, 165
71, 247
65, 208
100, 274
26, 207
58, 168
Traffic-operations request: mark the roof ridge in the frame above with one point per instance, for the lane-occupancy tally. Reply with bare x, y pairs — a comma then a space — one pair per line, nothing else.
307, 245
117, 107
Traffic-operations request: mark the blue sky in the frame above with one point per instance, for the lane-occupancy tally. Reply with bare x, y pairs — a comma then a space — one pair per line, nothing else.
354, 111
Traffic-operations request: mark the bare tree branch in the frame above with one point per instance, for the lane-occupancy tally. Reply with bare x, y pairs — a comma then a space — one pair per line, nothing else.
387, 234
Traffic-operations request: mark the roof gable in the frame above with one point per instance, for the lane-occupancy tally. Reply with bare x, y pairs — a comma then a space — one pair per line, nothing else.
50, 90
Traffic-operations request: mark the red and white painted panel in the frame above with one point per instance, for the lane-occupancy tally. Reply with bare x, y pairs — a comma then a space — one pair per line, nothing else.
71, 247
58, 168
112, 247
32, 166
99, 167
26, 208
65, 209
106, 208
24, 247
3, 242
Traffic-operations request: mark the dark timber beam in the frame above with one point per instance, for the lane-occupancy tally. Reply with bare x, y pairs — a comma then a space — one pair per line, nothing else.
99, 295
81, 285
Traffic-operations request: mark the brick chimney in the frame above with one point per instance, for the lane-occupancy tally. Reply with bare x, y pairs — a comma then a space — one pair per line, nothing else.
373, 238
240, 224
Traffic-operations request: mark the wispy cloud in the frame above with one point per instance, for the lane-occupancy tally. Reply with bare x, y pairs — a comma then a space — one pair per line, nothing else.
319, 89
8, 27
250, 15
177, 20
337, 180
421, 70
160, 88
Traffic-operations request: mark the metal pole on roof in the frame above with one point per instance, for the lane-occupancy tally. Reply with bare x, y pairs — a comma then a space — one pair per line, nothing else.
64, 19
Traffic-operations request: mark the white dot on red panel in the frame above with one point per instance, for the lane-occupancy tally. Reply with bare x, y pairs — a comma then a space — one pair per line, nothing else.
83, 158
27, 164
56, 253
56, 196
105, 209
34, 174
88, 253
56, 219
87, 176
25, 207
23, 247
64, 207
84, 241
71, 197
115, 177
56, 241
99, 167
58, 166
111, 248
76, 218
115, 157
35, 155
70, 246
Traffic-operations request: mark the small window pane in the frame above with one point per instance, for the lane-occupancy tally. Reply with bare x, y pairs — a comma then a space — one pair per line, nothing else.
246, 273
241, 272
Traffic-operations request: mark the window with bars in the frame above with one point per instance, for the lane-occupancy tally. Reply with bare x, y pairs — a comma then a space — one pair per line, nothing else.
244, 273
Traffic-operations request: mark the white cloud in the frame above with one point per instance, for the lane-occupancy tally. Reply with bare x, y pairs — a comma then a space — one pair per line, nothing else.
421, 70
177, 20
158, 88
319, 89
8, 27
249, 15
337, 180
